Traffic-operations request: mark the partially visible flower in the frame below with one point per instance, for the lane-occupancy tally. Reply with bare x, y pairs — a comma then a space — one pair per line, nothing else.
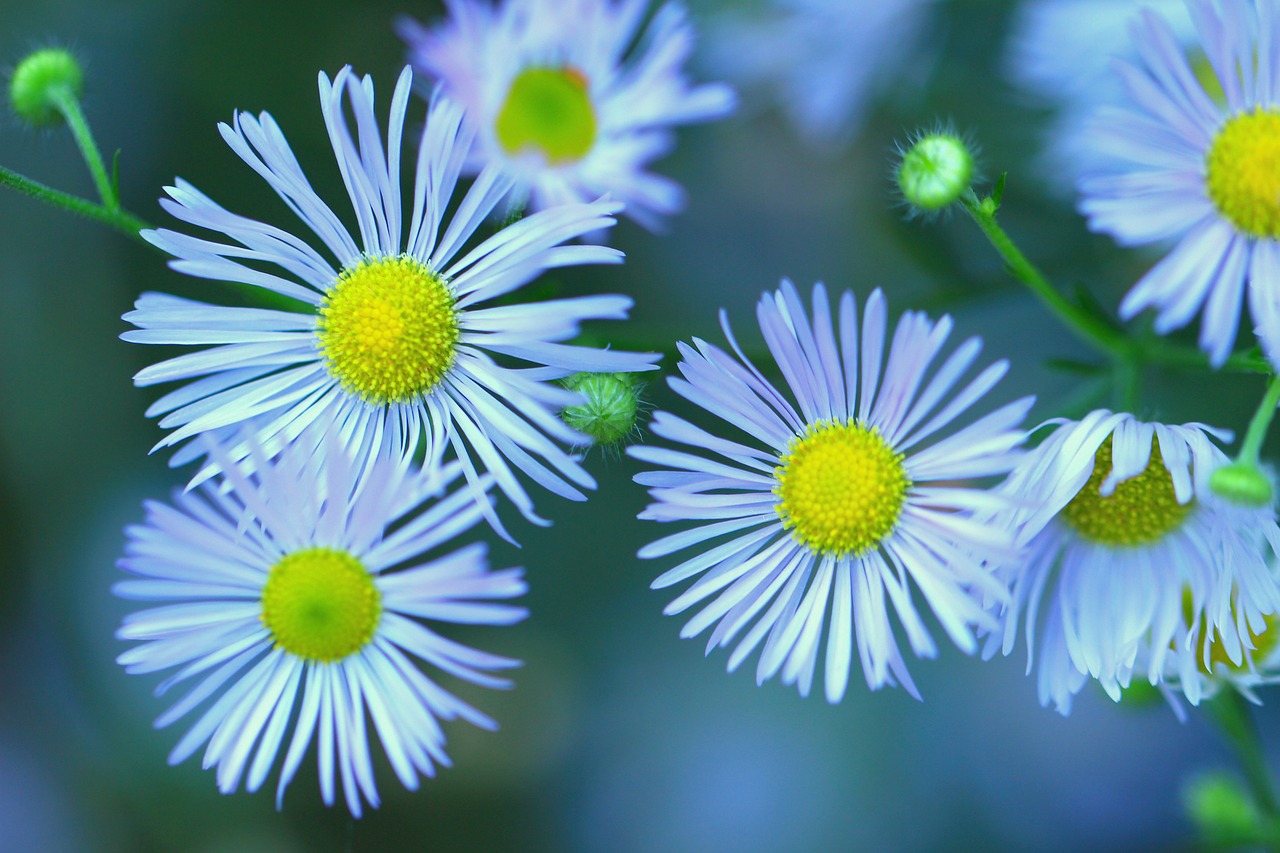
827, 512
292, 599
1130, 560
820, 61
1180, 165
1060, 53
572, 98
391, 347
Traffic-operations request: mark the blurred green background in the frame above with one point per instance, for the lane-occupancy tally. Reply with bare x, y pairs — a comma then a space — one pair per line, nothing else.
619, 736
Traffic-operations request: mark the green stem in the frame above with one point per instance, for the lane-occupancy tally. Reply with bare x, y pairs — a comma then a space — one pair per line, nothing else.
67, 103
1261, 421
1230, 711
121, 220
1102, 336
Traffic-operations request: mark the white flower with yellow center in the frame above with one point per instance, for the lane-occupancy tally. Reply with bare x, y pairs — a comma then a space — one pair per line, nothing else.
840, 506
391, 346
573, 98
1182, 165
1130, 561
292, 598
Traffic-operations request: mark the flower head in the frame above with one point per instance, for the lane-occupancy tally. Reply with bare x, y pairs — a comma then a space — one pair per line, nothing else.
391, 345
282, 602
572, 98
846, 502
1130, 561
1182, 166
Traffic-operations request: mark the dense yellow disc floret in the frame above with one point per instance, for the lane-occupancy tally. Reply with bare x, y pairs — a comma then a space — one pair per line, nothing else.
321, 604
1242, 172
841, 488
548, 109
388, 329
1142, 509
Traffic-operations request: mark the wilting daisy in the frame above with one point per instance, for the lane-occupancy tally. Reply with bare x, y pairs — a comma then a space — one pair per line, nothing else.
1060, 54
280, 606
391, 345
1129, 558
820, 61
837, 507
573, 98
1183, 167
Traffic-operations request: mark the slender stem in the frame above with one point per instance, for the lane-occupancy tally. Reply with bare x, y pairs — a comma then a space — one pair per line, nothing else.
1094, 331
67, 103
1235, 721
121, 220
1085, 325
1261, 421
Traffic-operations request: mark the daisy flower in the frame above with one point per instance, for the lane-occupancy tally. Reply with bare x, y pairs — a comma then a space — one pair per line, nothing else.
1129, 560
573, 98
832, 502
1182, 167
391, 345
821, 61
1060, 54
280, 606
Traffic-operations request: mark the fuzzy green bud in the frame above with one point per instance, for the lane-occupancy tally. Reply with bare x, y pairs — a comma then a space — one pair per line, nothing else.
607, 413
37, 81
1241, 483
935, 170
1221, 809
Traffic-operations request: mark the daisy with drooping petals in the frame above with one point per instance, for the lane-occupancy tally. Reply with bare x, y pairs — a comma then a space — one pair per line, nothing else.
1129, 559
392, 346
283, 602
573, 98
1180, 166
837, 507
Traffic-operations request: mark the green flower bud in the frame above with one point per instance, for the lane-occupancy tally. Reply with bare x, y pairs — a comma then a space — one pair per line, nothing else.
36, 80
607, 415
1221, 809
935, 170
1241, 483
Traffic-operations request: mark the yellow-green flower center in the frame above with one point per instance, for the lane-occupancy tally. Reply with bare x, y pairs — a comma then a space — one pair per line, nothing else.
1141, 510
321, 604
1243, 172
548, 109
1263, 643
388, 329
841, 488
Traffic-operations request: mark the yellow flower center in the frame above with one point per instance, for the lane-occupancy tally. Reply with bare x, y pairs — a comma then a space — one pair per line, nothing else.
1243, 172
548, 109
1140, 511
321, 604
388, 329
841, 488
1263, 643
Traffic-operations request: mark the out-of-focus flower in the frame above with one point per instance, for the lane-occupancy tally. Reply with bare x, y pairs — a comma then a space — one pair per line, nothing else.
1130, 560
1061, 53
1182, 166
840, 506
393, 346
572, 98
820, 61
283, 599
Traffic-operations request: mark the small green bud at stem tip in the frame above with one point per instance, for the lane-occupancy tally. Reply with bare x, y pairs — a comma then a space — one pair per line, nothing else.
1241, 483
935, 171
608, 412
39, 80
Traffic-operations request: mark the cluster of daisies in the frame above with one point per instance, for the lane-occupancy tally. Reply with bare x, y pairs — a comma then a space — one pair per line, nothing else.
395, 394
